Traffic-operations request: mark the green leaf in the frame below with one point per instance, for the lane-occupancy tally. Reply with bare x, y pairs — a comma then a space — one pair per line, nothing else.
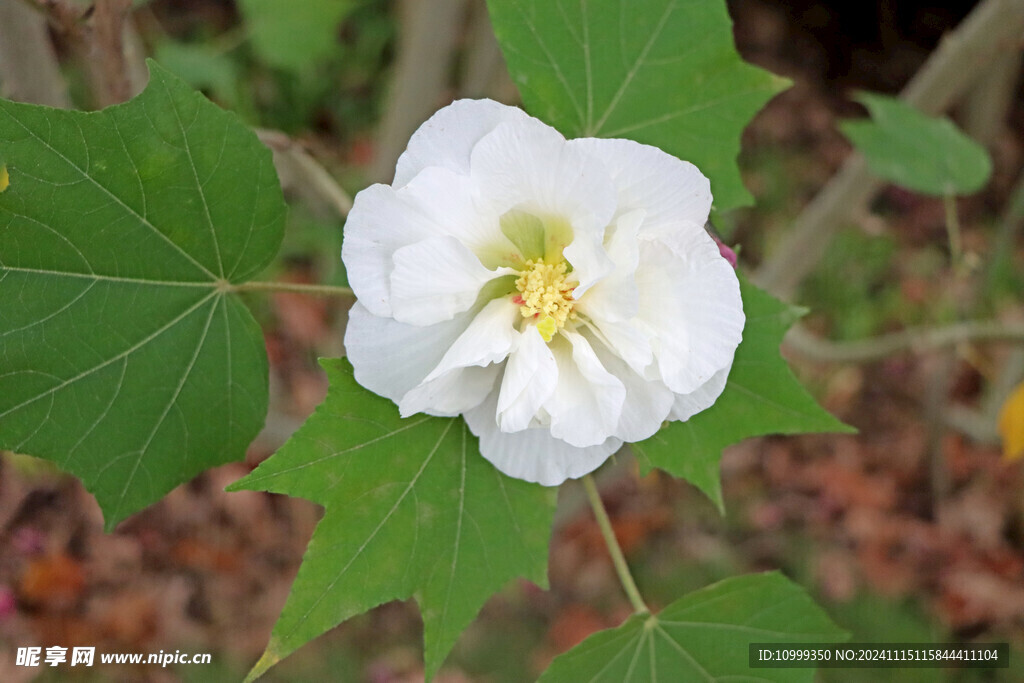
293, 35
661, 72
921, 153
123, 358
412, 509
761, 397
703, 636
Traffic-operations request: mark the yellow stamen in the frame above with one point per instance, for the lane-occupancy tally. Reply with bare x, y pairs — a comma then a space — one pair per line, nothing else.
547, 328
545, 294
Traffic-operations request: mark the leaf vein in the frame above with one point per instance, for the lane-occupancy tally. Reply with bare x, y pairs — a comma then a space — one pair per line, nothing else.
664, 118
373, 534
335, 454
115, 198
107, 278
195, 174
686, 655
123, 354
458, 535
101, 417
51, 315
554, 66
167, 409
631, 74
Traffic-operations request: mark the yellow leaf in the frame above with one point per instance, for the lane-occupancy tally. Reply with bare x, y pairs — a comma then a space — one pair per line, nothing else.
5, 179
1011, 424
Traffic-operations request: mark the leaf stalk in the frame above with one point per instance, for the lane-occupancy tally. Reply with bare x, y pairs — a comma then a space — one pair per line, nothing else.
621, 568
293, 287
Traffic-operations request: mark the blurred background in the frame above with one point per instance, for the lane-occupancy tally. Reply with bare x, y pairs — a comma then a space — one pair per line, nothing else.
911, 531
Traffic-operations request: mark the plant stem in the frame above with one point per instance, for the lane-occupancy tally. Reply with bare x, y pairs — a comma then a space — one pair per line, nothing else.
297, 288
956, 249
298, 170
991, 29
916, 340
621, 568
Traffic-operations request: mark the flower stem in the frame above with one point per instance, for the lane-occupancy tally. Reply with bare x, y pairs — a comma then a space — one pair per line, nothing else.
298, 288
621, 568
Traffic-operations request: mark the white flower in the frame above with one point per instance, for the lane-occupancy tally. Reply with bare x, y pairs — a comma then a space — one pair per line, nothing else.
562, 295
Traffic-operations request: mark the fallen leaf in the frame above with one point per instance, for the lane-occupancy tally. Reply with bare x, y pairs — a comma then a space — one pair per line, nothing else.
572, 626
54, 581
1011, 424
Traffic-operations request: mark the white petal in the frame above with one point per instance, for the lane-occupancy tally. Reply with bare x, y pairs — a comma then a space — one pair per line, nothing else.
391, 358
615, 297
435, 279
448, 201
383, 220
668, 188
488, 339
454, 393
447, 138
691, 306
590, 262
647, 402
587, 402
533, 454
702, 398
529, 166
530, 378
629, 341
379, 224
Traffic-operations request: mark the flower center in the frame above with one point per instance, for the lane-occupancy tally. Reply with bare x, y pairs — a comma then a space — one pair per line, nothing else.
544, 294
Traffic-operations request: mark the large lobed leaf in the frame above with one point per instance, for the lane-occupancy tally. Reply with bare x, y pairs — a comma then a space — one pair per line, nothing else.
702, 636
661, 72
412, 509
922, 153
123, 358
761, 397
